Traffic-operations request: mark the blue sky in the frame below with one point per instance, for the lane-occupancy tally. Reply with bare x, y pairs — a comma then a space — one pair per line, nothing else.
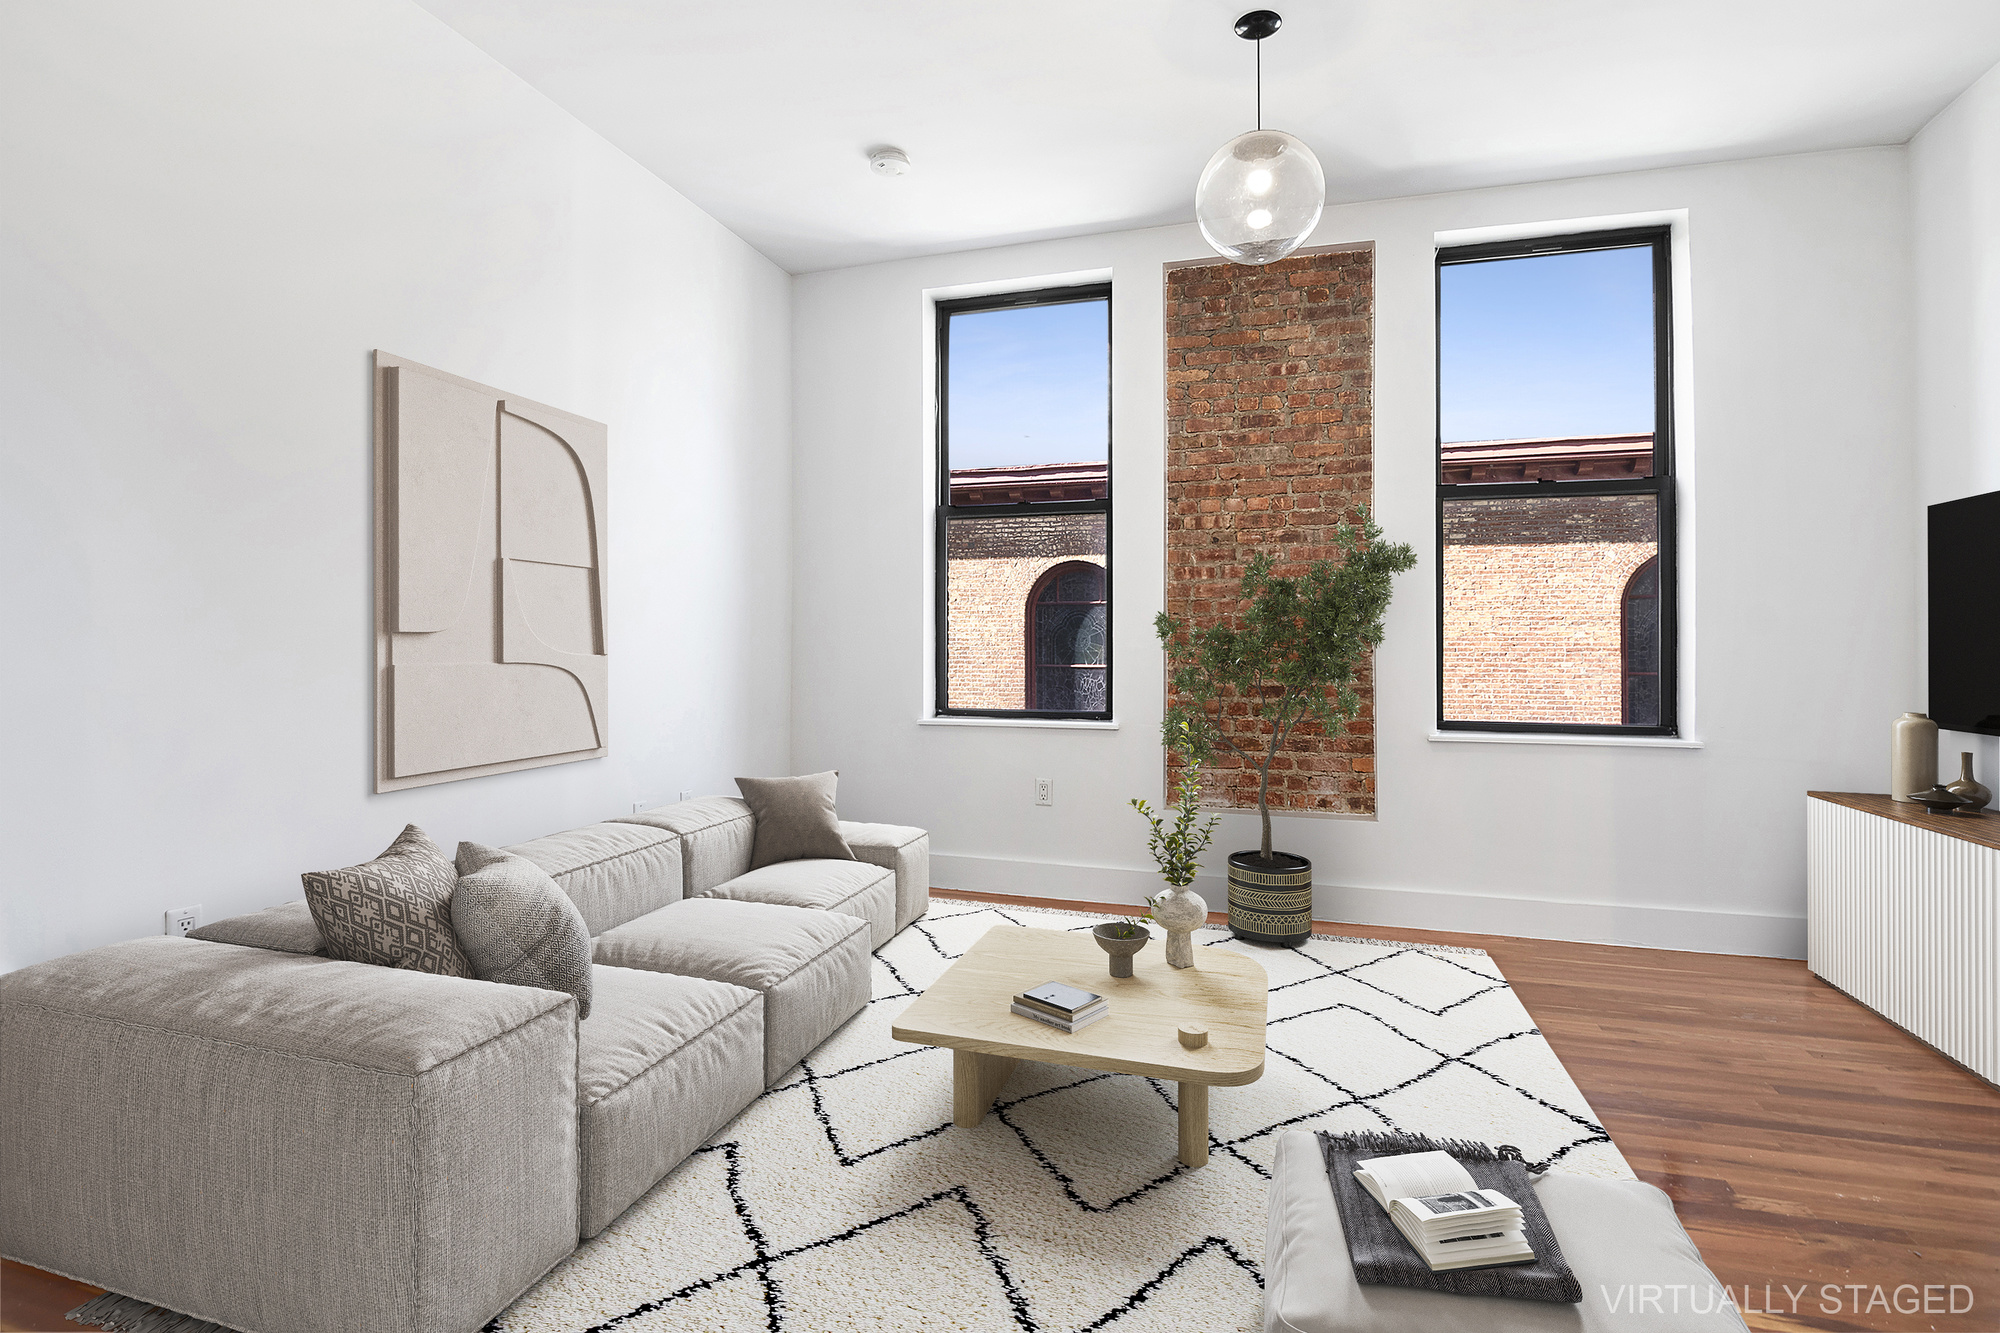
1030, 385
1548, 345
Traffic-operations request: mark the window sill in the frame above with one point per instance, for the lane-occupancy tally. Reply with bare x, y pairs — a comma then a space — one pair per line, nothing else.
1530, 738
1033, 723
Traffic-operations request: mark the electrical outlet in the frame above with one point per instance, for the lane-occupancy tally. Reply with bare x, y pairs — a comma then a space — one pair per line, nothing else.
687, 796
640, 807
180, 920
1045, 791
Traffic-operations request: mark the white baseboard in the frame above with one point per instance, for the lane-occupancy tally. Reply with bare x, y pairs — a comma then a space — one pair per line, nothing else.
1640, 925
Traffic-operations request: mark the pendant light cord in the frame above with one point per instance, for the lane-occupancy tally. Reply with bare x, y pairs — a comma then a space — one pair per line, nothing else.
1260, 83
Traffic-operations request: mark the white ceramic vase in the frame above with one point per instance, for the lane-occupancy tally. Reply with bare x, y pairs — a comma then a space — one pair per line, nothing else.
1181, 911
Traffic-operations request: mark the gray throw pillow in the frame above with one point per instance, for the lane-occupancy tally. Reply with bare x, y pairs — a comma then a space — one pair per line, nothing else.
393, 911
795, 819
517, 926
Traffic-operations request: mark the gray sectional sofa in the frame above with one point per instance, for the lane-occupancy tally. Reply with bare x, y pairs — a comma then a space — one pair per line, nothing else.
240, 1129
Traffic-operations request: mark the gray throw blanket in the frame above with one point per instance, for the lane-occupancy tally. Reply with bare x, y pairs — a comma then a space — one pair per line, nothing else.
1383, 1258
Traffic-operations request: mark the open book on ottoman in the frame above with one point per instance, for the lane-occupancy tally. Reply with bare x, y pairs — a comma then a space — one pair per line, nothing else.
1636, 1269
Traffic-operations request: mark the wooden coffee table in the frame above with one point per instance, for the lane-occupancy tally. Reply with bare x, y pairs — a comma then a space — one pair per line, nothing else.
966, 1010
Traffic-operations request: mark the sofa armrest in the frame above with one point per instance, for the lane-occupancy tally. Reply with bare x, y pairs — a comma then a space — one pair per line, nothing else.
286, 1143
900, 848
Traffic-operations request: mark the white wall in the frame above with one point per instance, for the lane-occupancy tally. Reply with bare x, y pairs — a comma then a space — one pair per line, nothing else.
1801, 575
1955, 202
214, 212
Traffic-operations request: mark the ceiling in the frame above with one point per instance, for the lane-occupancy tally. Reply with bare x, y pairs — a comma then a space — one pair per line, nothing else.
1034, 118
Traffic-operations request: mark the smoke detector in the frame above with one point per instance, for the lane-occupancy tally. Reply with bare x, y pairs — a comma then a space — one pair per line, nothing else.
889, 162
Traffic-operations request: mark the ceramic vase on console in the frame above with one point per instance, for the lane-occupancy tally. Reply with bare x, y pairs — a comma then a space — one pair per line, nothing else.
1912, 756
1976, 797
1180, 910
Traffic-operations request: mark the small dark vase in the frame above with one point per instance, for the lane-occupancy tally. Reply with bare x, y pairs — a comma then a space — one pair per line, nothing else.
1939, 800
1270, 901
1120, 947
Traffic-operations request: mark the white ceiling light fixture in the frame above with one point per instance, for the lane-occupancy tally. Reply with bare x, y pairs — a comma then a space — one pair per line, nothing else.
1261, 195
889, 162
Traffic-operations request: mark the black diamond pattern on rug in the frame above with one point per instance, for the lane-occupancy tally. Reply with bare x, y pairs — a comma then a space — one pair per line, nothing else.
845, 1198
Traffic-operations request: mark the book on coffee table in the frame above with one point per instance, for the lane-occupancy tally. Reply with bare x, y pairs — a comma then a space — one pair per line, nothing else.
1059, 1024
1064, 1007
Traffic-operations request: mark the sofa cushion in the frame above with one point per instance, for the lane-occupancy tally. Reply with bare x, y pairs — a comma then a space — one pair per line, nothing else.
900, 848
613, 872
287, 928
795, 819
851, 887
716, 835
393, 911
1639, 1271
517, 927
810, 966
663, 1062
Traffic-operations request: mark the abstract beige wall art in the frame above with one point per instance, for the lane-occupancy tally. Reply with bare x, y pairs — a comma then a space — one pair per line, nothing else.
489, 580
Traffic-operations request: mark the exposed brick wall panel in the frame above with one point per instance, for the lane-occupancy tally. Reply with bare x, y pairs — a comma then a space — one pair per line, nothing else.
1270, 444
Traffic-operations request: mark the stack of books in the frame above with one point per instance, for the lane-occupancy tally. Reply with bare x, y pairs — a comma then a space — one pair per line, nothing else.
1447, 1218
1067, 1008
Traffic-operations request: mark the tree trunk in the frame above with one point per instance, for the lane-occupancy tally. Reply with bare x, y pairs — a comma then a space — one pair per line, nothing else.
1264, 806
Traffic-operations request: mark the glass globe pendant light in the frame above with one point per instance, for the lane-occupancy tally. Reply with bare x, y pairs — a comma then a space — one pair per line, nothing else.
1260, 196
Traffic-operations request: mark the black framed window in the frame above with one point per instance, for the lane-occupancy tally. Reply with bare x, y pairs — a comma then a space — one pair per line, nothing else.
1023, 578
1556, 533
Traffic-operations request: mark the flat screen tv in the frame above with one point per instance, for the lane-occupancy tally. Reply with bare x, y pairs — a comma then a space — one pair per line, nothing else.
1965, 614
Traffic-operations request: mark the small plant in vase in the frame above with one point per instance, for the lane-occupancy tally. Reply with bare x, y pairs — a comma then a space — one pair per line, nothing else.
1177, 849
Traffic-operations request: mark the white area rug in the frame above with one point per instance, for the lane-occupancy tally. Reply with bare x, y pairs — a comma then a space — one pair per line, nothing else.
844, 1198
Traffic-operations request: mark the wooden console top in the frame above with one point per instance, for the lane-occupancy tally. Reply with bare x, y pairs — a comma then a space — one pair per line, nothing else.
1983, 828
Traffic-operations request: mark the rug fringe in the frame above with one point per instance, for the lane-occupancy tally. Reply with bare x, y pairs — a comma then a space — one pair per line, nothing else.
1402, 1141
128, 1314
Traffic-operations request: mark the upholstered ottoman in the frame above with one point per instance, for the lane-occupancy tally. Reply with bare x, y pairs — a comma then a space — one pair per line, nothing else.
661, 1063
810, 966
1639, 1271
853, 887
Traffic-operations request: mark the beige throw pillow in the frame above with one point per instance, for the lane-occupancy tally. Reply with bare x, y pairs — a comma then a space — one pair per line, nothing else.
394, 911
795, 819
517, 925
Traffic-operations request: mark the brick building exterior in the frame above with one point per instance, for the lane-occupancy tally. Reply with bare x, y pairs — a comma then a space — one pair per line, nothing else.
1270, 444
995, 564
1534, 605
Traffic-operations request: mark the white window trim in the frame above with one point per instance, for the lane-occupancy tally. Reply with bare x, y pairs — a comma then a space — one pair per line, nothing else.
1033, 723
1546, 738
926, 515
1686, 490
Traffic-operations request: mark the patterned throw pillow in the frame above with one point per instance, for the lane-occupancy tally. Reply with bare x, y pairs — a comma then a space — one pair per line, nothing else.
394, 911
517, 926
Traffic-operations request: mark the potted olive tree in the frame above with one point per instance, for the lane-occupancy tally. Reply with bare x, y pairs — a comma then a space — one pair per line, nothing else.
1290, 651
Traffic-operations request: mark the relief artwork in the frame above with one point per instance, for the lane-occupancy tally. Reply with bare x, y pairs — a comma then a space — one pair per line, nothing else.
489, 586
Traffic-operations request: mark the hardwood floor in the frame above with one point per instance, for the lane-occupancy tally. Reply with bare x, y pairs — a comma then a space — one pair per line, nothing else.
32, 1301
1814, 1149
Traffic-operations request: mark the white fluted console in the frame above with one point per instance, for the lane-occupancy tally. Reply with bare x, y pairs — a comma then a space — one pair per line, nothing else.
1903, 914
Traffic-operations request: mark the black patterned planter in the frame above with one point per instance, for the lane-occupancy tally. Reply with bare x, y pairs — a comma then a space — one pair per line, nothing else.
1270, 901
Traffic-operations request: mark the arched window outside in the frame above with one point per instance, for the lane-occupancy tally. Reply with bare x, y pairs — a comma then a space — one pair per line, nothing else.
1639, 639
1066, 633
